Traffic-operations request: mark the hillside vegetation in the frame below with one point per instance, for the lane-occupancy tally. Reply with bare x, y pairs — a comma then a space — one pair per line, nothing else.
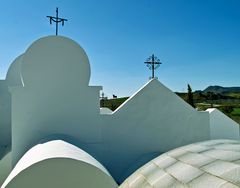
220, 89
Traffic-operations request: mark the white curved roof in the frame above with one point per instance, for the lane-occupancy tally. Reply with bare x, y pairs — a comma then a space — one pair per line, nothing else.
214, 163
58, 164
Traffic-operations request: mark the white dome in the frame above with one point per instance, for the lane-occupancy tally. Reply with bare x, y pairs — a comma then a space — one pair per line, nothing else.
214, 163
55, 59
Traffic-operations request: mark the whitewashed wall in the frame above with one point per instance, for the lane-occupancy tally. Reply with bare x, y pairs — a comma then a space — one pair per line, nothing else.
5, 167
5, 117
55, 97
14, 74
51, 99
221, 126
13, 78
152, 121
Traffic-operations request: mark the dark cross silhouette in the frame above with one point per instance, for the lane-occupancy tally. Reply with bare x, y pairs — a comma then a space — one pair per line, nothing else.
102, 99
57, 20
153, 63
102, 96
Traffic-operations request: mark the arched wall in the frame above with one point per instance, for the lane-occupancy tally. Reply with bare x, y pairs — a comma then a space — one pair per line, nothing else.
58, 164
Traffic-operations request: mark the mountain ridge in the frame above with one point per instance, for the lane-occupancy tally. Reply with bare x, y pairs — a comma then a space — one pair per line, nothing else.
221, 89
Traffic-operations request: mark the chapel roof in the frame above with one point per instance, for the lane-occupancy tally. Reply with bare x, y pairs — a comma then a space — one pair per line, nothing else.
214, 163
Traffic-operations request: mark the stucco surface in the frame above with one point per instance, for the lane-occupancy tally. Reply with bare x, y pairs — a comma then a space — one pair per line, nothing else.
54, 101
152, 121
58, 164
14, 74
55, 97
221, 126
5, 118
5, 167
214, 163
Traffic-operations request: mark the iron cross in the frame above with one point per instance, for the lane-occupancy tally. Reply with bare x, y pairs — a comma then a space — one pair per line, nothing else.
57, 20
153, 63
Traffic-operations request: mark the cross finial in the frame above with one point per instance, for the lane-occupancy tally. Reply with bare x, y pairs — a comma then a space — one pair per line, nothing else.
153, 63
57, 20
102, 99
102, 95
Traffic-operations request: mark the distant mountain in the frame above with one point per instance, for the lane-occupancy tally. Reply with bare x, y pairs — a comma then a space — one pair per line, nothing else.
220, 89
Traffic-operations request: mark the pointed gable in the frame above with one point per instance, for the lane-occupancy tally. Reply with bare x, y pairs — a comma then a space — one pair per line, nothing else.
154, 92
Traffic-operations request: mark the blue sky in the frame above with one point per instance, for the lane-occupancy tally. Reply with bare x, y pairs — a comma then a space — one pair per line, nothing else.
198, 41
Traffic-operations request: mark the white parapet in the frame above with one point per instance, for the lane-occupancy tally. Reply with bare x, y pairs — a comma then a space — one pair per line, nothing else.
58, 164
221, 126
105, 111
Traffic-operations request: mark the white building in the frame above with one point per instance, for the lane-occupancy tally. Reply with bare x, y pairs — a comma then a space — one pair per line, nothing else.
55, 119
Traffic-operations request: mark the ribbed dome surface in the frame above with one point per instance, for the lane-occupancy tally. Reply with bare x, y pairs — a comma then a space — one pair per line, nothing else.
214, 163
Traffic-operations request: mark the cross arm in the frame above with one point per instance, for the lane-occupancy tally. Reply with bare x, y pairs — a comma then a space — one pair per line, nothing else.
148, 62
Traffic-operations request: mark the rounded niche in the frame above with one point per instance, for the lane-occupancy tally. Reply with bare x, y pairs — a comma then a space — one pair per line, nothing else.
14, 77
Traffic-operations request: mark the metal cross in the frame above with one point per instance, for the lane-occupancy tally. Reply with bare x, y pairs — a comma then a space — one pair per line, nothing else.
102, 96
102, 99
153, 63
57, 20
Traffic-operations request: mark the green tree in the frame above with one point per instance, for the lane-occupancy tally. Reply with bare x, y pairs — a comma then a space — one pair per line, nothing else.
227, 109
190, 96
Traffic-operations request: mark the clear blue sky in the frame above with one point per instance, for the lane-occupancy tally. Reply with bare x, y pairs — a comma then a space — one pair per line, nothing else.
198, 41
